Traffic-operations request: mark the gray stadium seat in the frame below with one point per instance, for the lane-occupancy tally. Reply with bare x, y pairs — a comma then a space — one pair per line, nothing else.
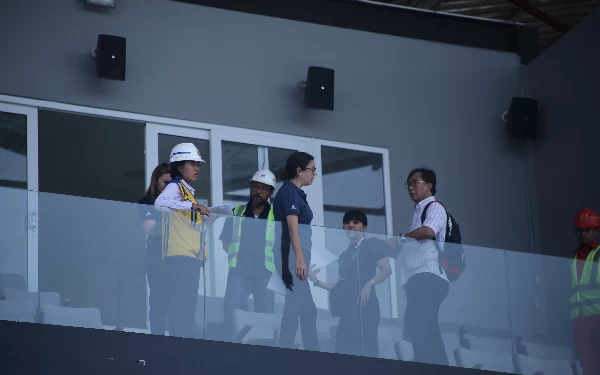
501, 362
530, 366
18, 311
74, 317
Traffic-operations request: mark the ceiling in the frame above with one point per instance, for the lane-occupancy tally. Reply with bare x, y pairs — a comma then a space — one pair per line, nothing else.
566, 12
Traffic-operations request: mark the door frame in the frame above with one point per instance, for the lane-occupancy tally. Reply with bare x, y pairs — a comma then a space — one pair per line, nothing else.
32, 213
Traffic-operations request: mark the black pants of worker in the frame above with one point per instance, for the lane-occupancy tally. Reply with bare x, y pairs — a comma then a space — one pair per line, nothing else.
299, 307
425, 293
182, 280
357, 332
158, 296
239, 288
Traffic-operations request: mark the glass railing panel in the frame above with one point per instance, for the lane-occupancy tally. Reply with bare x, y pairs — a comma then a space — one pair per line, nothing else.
451, 323
540, 312
92, 254
101, 265
15, 227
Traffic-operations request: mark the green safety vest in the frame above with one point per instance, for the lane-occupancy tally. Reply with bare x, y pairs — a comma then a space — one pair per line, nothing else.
585, 293
234, 247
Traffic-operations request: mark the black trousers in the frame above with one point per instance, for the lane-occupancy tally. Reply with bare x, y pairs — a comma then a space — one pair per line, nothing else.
358, 329
425, 293
182, 280
158, 296
299, 308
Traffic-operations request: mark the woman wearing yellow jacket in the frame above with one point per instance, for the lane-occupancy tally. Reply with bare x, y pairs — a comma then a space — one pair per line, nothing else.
182, 251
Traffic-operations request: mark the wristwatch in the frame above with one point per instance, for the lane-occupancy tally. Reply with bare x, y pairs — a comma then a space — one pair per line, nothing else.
402, 239
372, 282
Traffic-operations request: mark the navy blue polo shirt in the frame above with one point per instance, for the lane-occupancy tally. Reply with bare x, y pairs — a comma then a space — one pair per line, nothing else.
291, 200
251, 256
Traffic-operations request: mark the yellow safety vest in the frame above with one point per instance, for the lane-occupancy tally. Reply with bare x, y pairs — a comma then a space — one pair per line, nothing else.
181, 230
585, 292
234, 246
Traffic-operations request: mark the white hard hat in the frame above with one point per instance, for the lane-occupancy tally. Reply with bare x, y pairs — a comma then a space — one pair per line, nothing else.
264, 176
185, 151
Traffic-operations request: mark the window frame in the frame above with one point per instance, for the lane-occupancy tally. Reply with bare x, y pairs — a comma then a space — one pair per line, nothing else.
217, 134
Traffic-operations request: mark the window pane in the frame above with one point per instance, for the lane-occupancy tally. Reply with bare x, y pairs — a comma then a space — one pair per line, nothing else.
353, 180
202, 184
106, 155
13, 150
277, 159
13, 174
239, 164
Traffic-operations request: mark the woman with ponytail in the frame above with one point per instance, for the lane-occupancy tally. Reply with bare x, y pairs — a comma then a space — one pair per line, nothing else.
292, 210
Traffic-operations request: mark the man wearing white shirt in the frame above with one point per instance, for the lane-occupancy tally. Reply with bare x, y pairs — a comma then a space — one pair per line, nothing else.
422, 277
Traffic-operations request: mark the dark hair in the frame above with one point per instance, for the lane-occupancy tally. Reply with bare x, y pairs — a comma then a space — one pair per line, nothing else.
357, 215
160, 169
428, 176
296, 160
174, 169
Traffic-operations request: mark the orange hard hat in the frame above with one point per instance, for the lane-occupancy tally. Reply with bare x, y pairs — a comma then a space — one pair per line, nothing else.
586, 219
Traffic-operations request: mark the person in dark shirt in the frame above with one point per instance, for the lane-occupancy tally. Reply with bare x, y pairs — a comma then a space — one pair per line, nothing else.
295, 215
248, 238
151, 219
357, 277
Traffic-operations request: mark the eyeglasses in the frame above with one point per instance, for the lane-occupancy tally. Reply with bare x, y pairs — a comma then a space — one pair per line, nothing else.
413, 183
260, 187
314, 170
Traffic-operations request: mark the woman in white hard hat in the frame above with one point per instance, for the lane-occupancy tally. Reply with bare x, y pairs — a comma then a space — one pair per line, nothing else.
249, 245
182, 251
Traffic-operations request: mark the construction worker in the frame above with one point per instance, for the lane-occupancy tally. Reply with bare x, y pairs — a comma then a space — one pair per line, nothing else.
181, 237
584, 309
248, 239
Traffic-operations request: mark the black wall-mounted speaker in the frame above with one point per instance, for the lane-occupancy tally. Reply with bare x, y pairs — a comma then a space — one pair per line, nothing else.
522, 119
319, 89
111, 57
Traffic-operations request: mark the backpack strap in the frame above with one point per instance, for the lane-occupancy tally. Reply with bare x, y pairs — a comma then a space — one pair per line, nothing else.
437, 245
424, 214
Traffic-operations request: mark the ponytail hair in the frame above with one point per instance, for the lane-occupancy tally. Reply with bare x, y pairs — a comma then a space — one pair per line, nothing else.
296, 160
174, 169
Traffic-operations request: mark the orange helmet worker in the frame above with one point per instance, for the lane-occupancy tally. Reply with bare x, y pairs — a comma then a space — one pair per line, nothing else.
584, 303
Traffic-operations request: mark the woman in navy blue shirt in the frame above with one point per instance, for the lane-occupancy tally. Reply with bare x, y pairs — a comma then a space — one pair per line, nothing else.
151, 219
292, 210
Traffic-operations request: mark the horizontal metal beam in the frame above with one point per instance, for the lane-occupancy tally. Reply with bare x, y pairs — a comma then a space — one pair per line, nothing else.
536, 12
468, 3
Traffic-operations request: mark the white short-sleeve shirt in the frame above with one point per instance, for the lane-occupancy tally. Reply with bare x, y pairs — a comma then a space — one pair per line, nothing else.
422, 256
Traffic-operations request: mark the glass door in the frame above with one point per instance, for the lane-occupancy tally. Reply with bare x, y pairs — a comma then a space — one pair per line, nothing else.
19, 187
241, 154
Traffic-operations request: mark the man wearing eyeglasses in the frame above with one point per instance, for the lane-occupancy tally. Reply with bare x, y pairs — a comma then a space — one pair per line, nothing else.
248, 238
422, 278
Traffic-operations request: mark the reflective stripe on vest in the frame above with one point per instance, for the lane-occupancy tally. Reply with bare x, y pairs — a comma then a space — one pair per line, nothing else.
181, 229
585, 292
234, 247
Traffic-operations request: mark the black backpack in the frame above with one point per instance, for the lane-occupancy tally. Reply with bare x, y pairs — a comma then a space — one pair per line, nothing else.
452, 258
